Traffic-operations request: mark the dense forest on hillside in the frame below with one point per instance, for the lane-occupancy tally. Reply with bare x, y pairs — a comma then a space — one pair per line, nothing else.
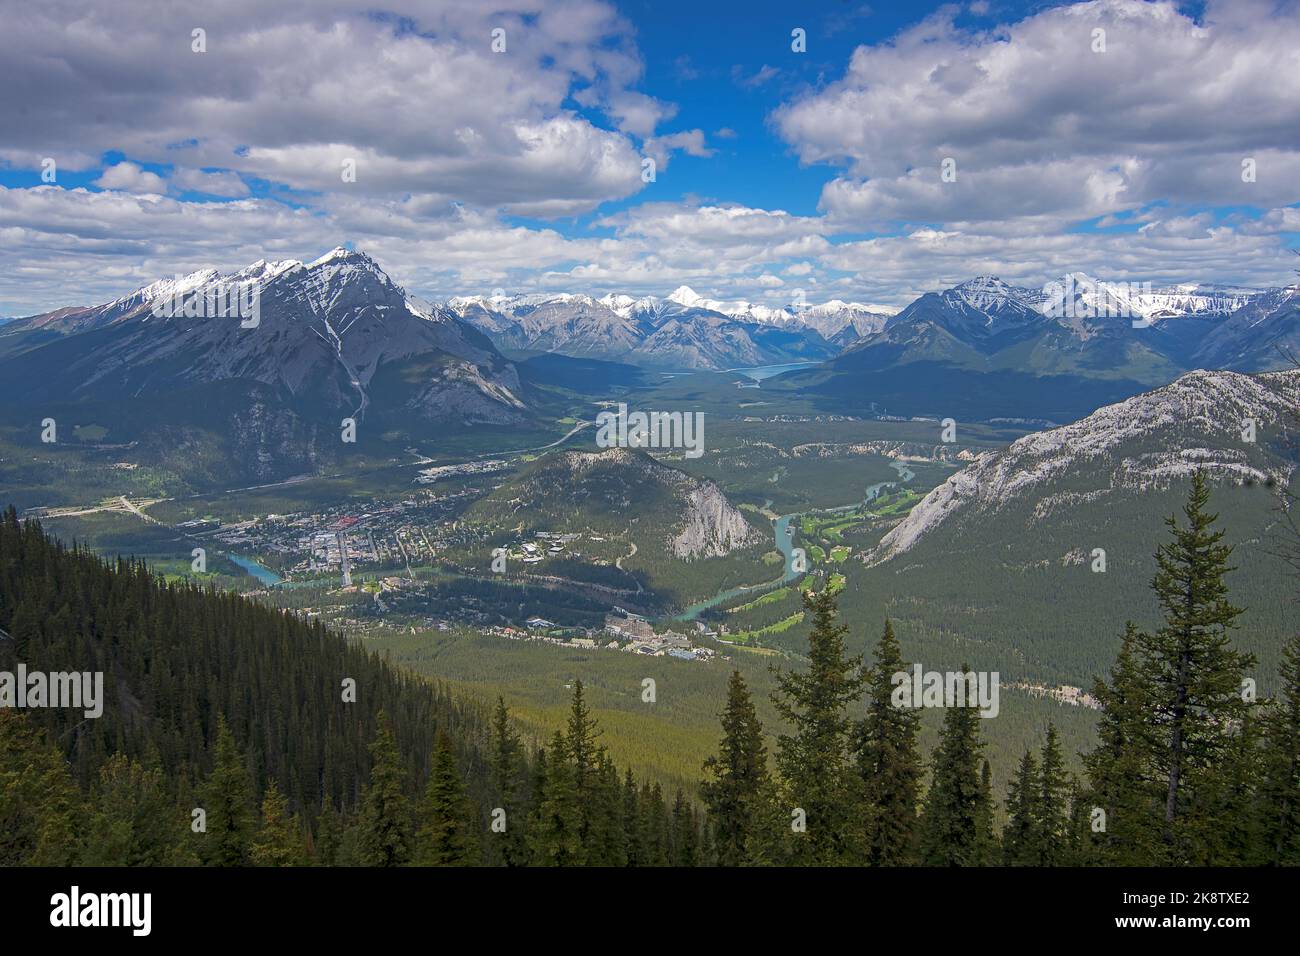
222, 712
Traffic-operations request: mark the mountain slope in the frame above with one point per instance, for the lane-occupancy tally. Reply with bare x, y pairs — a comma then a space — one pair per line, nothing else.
1263, 334
1025, 524
681, 516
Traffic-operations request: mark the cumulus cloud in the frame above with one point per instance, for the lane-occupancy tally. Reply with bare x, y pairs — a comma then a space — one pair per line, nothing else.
1076, 110
287, 91
691, 142
216, 183
132, 179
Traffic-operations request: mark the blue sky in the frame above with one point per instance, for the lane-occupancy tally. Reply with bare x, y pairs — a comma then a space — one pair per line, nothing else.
1110, 137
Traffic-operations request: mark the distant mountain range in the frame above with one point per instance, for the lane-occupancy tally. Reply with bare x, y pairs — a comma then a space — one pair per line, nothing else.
682, 331
337, 337
986, 349
1058, 351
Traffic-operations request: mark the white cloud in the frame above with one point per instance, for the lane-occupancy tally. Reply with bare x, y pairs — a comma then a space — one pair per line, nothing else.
286, 90
1038, 122
131, 178
221, 183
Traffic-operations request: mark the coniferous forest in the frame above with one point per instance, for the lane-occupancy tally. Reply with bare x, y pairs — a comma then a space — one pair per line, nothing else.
233, 734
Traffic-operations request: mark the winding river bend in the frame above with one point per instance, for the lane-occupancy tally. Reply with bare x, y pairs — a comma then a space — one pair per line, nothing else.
785, 544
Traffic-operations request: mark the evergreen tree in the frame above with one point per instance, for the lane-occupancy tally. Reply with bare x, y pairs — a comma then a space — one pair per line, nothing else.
1019, 837
954, 819
580, 742
656, 831
633, 825
1051, 808
606, 841
1223, 821
39, 803
448, 834
554, 836
279, 841
1124, 809
986, 842
1280, 774
814, 759
509, 848
888, 762
134, 821
686, 849
738, 790
1192, 674
228, 803
385, 824
329, 837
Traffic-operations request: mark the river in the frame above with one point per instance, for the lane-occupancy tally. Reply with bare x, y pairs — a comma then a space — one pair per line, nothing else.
263, 575
785, 544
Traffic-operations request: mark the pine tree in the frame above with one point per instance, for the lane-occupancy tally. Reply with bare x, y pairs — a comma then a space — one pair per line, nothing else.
1019, 837
953, 822
1126, 809
228, 803
1191, 672
888, 762
580, 742
633, 825
1280, 774
385, 824
509, 848
39, 803
686, 849
1051, 809
329, 836
581, 747
986, 841
134, 821
606, 841
814, 759
657, 830
1224, 823
448, 834
554, 836
738, 790
279, 841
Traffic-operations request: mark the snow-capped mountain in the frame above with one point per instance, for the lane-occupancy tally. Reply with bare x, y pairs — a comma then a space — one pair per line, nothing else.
1227, 423
324, 330
330, 338
986, 348
683, 330
1263, 333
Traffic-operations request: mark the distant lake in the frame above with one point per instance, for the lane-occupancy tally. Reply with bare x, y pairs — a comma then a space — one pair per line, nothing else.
760, 372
